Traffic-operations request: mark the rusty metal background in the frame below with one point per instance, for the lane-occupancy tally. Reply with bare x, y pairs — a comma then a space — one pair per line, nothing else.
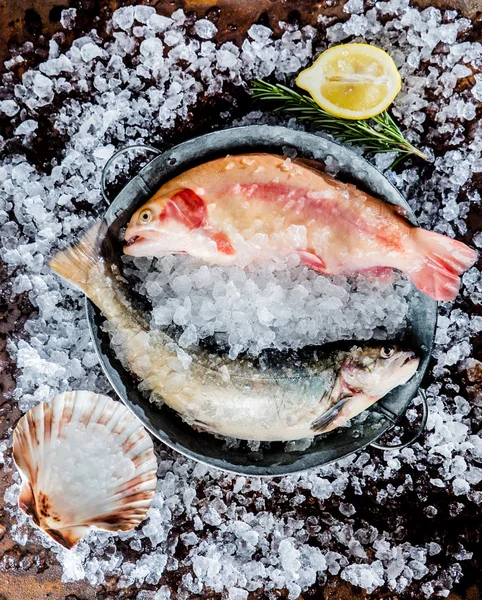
31, 20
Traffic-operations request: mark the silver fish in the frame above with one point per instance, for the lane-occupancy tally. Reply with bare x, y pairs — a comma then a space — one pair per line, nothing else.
277, 397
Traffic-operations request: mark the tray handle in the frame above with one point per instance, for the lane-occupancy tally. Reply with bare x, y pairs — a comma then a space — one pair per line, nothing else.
393, 418
116, 155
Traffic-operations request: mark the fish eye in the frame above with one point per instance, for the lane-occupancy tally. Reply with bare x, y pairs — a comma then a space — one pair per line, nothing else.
145, 216
387, 351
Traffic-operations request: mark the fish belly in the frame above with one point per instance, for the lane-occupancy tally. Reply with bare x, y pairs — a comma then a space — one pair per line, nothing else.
248, 409
329, 235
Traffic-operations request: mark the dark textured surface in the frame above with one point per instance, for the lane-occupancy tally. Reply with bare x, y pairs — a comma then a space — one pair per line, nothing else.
32, 572
24, 21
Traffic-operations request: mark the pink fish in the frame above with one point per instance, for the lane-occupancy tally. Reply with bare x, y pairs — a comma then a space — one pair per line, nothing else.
254, 206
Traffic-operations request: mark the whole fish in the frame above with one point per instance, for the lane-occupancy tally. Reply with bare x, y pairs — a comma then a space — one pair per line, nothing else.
286, 398
250, 206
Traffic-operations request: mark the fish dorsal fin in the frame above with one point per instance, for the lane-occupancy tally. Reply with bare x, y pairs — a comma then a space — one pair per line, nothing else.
400, 211
187, 207
310, 163
329, 416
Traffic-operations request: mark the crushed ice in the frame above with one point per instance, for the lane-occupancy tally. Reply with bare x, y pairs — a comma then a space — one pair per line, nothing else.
243, 534
86, 464
280, 304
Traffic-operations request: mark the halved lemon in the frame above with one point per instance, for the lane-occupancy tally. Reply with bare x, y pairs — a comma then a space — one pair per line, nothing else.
352, 81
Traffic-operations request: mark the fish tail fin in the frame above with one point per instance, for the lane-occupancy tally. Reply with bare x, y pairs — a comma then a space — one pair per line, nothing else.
75, 263
445, 260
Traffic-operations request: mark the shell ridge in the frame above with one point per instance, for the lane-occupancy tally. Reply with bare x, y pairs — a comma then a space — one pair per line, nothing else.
103, 412
120, 503
137, 484
45, 444
145, 461
122, 422
135, 445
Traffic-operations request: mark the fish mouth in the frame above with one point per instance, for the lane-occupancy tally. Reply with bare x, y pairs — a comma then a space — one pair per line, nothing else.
409, 366
411, 358
134, 236
132, 240
145, 244
138, 245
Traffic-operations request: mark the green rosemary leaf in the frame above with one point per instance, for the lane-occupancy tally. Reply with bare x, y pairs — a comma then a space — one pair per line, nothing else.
379, 134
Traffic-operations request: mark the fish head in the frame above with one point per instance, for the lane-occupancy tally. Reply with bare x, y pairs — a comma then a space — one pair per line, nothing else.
367, 374
164, 224
376, 370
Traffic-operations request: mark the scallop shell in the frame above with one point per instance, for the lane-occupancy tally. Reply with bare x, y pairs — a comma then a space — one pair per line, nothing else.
89, 500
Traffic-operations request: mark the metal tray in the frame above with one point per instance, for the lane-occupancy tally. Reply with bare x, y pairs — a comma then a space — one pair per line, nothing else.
163, 422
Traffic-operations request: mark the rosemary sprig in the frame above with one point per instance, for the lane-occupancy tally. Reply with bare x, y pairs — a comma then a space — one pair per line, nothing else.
381, 136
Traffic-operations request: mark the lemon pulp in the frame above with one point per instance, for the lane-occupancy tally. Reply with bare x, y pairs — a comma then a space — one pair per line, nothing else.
353, 81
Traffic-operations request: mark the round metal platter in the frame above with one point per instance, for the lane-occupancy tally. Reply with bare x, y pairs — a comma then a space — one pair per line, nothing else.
164, 423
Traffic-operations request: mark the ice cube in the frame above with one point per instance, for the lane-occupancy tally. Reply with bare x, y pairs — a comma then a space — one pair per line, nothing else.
90, 51
460, 486
27, 127
9, 107
123, 18
205, 29
68, 17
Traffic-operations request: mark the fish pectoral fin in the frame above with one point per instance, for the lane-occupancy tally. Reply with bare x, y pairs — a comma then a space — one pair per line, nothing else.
221, 239
312, 260
202, 427
309, 163
400, 211
323, 423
